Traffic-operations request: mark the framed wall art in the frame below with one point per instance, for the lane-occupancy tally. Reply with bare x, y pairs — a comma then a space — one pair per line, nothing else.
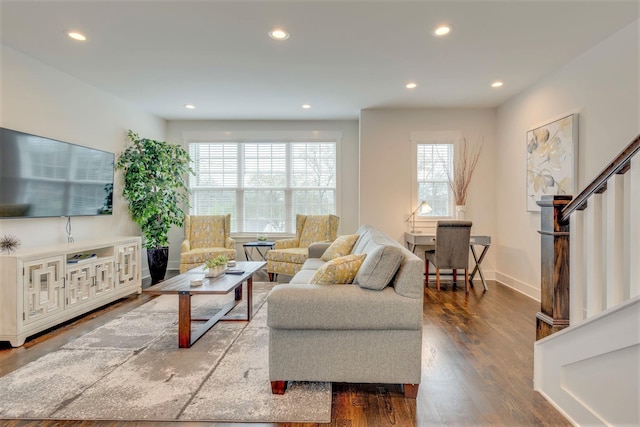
552, 152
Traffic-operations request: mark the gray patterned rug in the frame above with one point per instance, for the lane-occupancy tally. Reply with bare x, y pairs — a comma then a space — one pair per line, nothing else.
132, 369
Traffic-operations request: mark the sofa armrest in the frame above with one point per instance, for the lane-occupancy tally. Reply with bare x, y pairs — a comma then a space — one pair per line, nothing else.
185, 246
287, 243
317, 249
341, 307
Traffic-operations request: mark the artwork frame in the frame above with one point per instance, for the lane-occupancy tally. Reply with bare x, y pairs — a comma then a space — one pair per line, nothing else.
552, 153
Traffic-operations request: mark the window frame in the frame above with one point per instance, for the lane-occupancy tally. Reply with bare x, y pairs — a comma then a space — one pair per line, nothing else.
303, 136
431, 137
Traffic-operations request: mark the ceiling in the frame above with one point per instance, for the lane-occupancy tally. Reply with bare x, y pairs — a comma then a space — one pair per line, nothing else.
341, 57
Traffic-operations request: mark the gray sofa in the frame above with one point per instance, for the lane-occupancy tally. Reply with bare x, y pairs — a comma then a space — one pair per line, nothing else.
366, 332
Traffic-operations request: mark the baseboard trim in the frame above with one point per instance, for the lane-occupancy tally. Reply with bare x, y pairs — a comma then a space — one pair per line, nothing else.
555, 405
517, 285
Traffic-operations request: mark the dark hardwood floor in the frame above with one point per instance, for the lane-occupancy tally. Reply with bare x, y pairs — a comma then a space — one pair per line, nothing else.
477, 367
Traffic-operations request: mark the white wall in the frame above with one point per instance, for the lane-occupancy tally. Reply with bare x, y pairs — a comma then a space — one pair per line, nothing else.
347, 167
386, 171
41, 100
602, 85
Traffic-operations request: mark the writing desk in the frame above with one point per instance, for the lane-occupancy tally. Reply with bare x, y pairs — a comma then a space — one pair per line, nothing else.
413, 240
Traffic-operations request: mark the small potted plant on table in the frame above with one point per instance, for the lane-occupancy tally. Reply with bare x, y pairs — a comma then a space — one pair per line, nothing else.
216, 266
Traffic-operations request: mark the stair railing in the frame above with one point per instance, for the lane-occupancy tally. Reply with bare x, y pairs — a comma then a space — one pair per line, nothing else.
602, 226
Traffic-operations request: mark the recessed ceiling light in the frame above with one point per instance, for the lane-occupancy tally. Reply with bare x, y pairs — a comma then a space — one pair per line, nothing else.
76, 35
306, 106
411, 85
278, 33
189, 106
442, 30
497, 83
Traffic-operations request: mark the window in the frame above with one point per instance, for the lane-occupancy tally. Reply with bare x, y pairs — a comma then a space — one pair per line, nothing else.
263, 184
434, 153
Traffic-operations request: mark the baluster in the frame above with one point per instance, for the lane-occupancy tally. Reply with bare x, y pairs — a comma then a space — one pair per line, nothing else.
614, 246
577, 267
634, 227
594, 255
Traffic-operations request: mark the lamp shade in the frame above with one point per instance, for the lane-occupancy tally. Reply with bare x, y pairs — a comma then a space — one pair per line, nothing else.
424, 207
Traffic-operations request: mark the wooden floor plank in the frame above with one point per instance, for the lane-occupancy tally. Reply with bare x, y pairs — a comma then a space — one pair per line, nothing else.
477, 367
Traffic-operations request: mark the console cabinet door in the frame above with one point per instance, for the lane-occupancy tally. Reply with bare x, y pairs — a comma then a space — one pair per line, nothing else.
128, 264
80, 282
104, 278
43, 288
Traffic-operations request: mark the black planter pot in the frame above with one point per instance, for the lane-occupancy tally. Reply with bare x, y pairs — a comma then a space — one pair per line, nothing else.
157, 259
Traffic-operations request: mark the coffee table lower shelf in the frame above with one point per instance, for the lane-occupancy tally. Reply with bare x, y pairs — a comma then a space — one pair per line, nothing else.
180, 285
187, 337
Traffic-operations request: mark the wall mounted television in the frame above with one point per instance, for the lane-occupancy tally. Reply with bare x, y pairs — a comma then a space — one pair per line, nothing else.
42, 177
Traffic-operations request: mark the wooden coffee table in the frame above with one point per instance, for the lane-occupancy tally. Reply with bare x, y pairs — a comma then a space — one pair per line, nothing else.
181, 285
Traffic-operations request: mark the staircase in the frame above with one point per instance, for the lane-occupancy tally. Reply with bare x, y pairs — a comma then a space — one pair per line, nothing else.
587, 353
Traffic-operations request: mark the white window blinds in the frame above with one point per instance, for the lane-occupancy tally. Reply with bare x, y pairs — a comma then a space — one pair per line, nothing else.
263, 184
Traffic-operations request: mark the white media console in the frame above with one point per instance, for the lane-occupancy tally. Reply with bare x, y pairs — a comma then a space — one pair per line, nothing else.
41, 288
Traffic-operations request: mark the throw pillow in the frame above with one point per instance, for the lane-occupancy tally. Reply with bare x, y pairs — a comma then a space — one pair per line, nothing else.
340, 247
339, 270
380, 267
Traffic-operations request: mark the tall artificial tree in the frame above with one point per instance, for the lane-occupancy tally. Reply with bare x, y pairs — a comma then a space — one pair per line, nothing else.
155, 185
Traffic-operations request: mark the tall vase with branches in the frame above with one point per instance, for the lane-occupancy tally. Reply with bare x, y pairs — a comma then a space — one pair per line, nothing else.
464, 165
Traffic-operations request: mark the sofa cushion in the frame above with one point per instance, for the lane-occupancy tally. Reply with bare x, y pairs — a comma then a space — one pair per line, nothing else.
302, 277
363, 232
340, 247
339, 270
313, 264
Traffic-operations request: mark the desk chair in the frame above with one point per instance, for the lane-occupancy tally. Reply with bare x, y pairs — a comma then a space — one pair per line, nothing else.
451, 250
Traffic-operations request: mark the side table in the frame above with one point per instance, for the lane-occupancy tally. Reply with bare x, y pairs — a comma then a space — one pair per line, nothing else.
257, 245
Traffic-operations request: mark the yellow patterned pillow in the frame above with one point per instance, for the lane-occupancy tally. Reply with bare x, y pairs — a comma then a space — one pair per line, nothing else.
339, 270
340, 247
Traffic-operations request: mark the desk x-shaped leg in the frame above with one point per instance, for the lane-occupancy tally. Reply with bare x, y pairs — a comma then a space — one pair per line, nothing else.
478, 262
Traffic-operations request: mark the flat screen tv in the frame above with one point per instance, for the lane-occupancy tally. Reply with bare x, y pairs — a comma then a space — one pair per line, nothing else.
41, 177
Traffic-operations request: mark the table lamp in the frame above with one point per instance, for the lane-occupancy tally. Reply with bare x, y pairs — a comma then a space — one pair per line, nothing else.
423, 208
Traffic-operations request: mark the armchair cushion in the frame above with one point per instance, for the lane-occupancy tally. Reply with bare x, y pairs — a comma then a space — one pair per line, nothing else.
200, 255
338, 270
340, 247
294, 255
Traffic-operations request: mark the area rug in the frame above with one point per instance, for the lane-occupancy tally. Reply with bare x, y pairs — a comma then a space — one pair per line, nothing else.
132, 369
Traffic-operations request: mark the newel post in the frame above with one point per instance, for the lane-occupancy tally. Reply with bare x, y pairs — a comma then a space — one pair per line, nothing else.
554, 287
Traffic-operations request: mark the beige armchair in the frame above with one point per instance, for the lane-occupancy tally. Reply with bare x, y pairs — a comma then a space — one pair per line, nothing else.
288, 255
205, 237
